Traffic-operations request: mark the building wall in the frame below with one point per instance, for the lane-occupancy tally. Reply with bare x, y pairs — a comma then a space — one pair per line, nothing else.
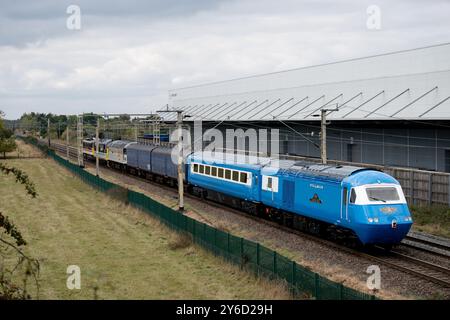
402, 144
392, 109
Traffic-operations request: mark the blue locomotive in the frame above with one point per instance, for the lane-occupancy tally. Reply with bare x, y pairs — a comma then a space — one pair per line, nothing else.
338, 201
341, 202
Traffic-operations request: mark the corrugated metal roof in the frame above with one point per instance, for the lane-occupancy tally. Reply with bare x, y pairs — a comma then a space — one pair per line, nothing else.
413, 85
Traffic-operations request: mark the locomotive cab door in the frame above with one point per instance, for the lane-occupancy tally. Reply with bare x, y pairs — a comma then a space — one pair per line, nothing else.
270, 190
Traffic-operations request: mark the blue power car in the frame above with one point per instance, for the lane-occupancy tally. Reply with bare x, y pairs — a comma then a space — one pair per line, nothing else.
336, 201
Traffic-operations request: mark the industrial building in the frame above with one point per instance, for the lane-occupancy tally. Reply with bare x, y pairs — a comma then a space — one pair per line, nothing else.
393, 109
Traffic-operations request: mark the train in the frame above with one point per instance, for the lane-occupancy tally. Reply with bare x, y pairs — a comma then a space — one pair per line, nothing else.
356, 205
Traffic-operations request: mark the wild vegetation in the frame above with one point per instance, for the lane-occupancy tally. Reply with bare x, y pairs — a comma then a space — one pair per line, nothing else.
434, 220
16, 267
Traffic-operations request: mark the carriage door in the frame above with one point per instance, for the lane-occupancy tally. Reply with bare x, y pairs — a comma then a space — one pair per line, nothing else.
344, 206
288, 194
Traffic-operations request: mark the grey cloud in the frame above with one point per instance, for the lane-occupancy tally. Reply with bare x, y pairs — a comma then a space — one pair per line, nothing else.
50, 9
129, 53
23, 22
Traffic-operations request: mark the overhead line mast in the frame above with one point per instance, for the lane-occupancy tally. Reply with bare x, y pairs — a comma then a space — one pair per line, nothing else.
323, 133
180, 118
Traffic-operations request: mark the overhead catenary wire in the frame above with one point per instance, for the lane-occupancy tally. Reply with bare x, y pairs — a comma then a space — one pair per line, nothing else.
341, 129
330, 138
291, 122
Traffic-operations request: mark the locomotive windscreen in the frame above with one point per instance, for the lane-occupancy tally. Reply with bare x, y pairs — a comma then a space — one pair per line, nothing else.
382, 194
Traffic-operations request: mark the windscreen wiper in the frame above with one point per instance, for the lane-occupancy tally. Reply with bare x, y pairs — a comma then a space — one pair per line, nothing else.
376, 199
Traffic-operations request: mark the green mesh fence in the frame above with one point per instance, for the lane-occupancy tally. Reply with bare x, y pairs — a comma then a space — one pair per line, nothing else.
247, 254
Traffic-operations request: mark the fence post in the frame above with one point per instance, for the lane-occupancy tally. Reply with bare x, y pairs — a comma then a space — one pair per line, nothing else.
215, 241
448, 192
293, 280
275, 262
204, 232
430, 189
242, 252
411, 188
316, 286
228, 244
257, 256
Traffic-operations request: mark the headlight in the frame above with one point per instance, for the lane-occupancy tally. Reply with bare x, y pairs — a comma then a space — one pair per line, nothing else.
375, 220
370, 220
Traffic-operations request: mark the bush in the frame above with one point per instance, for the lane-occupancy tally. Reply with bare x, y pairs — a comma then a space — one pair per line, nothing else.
180, 241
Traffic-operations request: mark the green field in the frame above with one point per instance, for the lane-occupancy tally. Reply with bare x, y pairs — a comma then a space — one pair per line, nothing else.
122, 253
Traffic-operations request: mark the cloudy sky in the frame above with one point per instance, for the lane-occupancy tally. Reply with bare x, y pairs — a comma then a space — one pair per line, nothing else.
128, 54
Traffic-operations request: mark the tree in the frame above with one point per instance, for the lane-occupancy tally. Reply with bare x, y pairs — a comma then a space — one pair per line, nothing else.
10, 237
7, 142
37, 123
12, 240
7, 145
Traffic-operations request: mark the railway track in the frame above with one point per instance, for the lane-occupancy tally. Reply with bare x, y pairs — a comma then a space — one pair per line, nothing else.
429, 245
414, 266
418, 267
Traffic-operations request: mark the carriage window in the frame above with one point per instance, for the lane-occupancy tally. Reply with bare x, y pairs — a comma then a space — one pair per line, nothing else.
269, 183
235, 175
207, 170
220, 173
243, 177
352, 196
202, 168
214, 171
228, 174
195, 167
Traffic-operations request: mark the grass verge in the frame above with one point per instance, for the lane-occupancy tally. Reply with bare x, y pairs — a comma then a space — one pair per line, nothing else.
434, 220
122, 252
